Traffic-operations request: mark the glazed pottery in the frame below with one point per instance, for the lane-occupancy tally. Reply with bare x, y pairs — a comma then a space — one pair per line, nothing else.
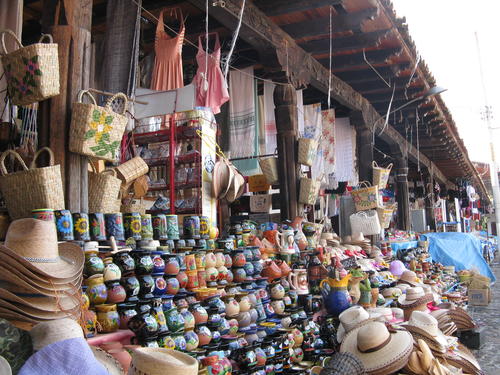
172, 266
298, 281
192, 340
277, 291
278, 306
228, 261
182, 278
45, 214
81, 226
192, 227
158, 314
204, 335
160, 227
222, 273
192, 279
175, 321
210, 259
144, 325
199, 313
211, 274
158, 262
114, 226
244, 319
132, 225
219, 258
189, 321
204, 227
160, 285
64, 225
166, 341
116, 292
244, 302
146, 227
126, 311
111, 271
202, 277
172, 227
124, 261
239, 274
96, 290
232, 306
225, 244
230, 276
93, 264
146, 283
107, 317
97, 227
143, 262
238, 258
90, 322
335, 296
172, 285
271, 270
284, 267
200, 259
131, 285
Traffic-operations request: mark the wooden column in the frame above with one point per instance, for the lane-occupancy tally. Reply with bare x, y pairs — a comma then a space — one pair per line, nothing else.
364, 146
429, 200
71, 31
402, 194
285, 101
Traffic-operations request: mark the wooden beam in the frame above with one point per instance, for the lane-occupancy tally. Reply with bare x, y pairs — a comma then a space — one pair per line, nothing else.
346, 43
387, 72
356, 59
279, 7
340, 23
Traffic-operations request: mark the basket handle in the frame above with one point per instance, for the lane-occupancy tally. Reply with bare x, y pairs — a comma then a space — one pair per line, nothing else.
12, 34
111, 171
88, 93
374, 164
112, 99
46, 36
3, 169
389, 167
37, 154
364, 184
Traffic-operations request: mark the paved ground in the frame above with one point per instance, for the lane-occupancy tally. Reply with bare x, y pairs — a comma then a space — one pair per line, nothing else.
489, 316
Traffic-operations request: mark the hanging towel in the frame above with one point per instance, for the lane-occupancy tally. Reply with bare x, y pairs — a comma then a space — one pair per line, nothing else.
327, 144
242, 125
313, 129
344, 153
262, 130
300, 112
269, 120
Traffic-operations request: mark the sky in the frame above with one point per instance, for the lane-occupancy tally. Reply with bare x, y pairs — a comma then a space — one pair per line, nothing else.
444, 33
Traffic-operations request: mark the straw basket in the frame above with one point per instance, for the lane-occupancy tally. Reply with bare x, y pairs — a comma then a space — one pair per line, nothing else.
309, 190
307, 151
269, 168
365, 222
97, 131
381, 175
31, 188
132, 169
104, 189
32, 72
384, 216
365, 196
131, 205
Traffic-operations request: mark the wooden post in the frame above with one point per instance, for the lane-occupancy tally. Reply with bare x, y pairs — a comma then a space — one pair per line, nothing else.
71, 31
285, 101
364, 146
402, 193
429, 200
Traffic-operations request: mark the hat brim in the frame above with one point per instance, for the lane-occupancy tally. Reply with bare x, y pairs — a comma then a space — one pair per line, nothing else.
107, 360
39, 314
222, 179
22, 288
13, 316
440, 339
69, 264
425, 299
48, 304
14, 274
396, 351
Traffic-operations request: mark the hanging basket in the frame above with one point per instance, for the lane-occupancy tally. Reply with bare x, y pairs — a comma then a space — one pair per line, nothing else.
269, 168
385, 216
365, 222
132, 169
32, 72
309, 190
32, 187
307, 151
381, 175
97, 131
365, 196
104, 189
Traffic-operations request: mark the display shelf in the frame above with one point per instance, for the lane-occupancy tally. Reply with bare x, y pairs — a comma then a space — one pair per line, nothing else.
163, 135
190, 185
193, 157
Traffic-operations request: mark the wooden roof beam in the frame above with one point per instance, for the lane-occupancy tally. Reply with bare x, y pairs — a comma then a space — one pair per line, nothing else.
353, 42
381, 56
279, 7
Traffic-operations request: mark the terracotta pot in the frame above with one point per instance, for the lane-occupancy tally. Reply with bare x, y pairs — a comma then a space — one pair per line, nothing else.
108, 318
284, 267
122, 356
271, 270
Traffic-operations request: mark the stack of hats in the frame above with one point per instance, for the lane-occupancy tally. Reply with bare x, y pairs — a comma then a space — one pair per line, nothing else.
449, 312
414, 299
40, 280
343, 363
159, 361
409, 278
445, 324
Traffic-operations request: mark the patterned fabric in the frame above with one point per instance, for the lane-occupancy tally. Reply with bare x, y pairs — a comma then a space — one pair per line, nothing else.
269, 119
344, 151
327, 143
313, 129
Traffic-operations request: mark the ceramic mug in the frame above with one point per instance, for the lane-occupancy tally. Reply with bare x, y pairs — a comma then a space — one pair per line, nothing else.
64, 225
114, 226
172, 227
160, 227
97, 227
45, 214
132, 225
81, 226
146, 227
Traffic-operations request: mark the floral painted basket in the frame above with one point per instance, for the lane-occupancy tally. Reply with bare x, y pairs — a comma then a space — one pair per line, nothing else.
32, 72
97, 131
309, 190
365, 196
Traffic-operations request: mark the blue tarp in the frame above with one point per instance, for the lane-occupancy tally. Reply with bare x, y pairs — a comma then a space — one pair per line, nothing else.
461, 250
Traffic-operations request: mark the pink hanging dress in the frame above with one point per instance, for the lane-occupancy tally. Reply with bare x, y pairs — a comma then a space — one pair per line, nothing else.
167, 72
211, 92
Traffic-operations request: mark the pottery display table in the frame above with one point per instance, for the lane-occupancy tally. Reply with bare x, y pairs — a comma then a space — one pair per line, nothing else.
122, 335
403, 245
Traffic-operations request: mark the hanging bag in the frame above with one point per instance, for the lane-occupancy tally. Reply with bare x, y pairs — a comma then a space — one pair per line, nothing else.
269, 167
308, 148
365, 222
365, 196
309, 190
104, 190
32, 72
132, 169
385, 216
97, 131
32, 187
381, 175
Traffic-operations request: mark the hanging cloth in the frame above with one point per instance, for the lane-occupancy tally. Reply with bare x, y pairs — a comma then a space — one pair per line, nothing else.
167, 73
313, 129
211, 91
269, 119
327, 143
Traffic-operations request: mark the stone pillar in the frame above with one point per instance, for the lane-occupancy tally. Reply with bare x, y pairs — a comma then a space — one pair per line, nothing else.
285, 101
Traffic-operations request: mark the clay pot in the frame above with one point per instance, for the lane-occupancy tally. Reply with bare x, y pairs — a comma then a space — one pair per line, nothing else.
232, 307
199, 313
219, 258
116, 292
111, 271
96, 290
244, 302
171, 264
204, 335
284, 267
238, 258
278, 306
277, 290
108, 318
271, 270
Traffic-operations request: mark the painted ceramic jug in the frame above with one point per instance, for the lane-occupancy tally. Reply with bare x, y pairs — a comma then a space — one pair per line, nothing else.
335, 296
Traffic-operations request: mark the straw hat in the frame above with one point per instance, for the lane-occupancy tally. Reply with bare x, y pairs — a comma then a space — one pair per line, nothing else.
350, 319
7, 270
39, 314
33, 244
397, 267
343, 363
381, 352
414, 297
409, 277
426, 325
386, 313
236, 187
391, 292
159, 361
222, 178
47, 304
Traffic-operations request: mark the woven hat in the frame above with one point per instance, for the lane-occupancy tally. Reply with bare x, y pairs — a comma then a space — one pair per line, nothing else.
4, 269
380, 351
414, 297
350, 319
33, 244
43, 303
222, 178
426, 325
343, 363
160, 361
47, 333
386, 313
39, 314
22, 285
409, 277
391, 292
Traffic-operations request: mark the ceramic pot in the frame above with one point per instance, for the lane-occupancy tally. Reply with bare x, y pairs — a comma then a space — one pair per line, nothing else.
204, 335
97, 227
124, 261
160, 285
249, 270
89, 320
131, 285
191, 227
114, 226
254, 316
160, 231
278, 306
222, 273
271, 270
172, 266
182, 278
146, 227
298, 281
126, 311
93, 264
199, 313
111, 271
232, 306
64, 225
230, 276
146, 283
210, 259
202, 277
158, 262
96, 290
200, 259
284, 267
204, 227
211, 274
257, 268
166, 341
192, 340
172, 286
277, 291
81, 226
132, 225
144, 325
244, 302
239, 274
172, 227
228, 261
108, 318
175, 320
189, 320
116, 292
244, 319
158, 314
219, 258
226, 244
238, 258
143, 262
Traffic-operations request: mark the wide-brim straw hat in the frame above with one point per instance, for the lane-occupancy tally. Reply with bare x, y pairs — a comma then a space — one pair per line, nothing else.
43, 287
381, 352
107, 360
39, 314
350, 319
222, 178
409, 277
413, 297
426, 325
50, 332
237, 186
8, 269
33, 244
44, 303
159, 361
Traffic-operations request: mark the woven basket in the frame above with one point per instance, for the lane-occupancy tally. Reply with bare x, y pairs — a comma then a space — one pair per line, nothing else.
132, 169
365, 222
31, 188
307, 151
365, 196
381, 175
32, 72
385, 216
104, 189
130, 205
97, 131
309, 190
269, 168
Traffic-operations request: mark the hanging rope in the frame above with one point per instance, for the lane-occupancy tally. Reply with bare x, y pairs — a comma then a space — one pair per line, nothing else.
235, 38
417, 119
205, 78
330, 59
375, 70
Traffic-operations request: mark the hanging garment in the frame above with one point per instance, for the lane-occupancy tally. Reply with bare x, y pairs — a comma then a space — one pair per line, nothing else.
167, 73
327, 142
313, 130
211, 87
269, 120
344, 150
300, 112
261, 121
